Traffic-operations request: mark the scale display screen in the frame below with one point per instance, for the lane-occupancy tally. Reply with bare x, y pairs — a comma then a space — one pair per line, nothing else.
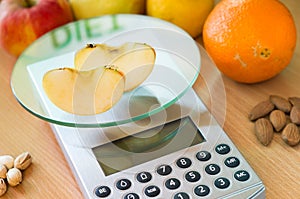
147, 145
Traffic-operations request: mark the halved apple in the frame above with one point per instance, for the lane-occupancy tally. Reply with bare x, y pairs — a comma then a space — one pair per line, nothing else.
84, 92
135, 60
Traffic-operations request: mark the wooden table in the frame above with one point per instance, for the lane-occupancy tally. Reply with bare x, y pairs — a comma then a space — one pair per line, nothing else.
278, 165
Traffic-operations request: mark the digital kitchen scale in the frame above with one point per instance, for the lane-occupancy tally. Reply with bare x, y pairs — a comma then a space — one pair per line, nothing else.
159, 140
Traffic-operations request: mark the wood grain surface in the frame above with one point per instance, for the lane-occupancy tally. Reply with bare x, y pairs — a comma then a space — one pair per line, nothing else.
278, 165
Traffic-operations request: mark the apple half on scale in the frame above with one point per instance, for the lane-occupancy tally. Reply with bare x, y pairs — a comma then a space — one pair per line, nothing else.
134, 60
84, 92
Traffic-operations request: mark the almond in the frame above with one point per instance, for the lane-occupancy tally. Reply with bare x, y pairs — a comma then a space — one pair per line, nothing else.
288, 119
264, 131
278, 119
291, 134
295, 101
261, 109
281, 103
295, 115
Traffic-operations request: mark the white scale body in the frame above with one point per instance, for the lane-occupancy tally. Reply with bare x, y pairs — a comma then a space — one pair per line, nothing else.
78, 147
197, 135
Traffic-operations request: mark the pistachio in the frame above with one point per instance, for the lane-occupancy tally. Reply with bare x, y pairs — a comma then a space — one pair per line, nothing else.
264, 131
278, 119
3, 171
281, 103
14, 177
291, 134
261, 109
7, 160
295, 115
3, 187
23, 161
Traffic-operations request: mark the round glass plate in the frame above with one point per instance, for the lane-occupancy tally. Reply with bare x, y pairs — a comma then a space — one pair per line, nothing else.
176, 68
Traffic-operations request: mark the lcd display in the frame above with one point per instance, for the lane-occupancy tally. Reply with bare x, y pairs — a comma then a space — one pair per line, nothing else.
147, 145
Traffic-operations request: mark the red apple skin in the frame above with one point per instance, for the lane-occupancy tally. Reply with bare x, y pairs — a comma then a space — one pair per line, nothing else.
20, 26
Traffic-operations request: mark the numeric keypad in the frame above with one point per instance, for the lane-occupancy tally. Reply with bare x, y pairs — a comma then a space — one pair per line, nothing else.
203, 164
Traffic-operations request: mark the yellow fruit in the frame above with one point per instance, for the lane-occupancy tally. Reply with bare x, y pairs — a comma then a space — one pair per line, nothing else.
83, 9
134, 60
86, 92
190, 15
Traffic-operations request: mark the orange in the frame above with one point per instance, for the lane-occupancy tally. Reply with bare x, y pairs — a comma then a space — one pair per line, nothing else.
250, 40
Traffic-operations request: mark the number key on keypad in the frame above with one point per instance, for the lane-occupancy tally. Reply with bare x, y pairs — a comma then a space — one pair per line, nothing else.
203, 155
181, 195
144, 177
212, 169
184, 162
192, 176
172, 183
222, 183
201, 190
164, 170
131, 196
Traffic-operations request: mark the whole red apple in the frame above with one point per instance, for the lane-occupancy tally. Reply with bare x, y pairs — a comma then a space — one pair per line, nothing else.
23, 21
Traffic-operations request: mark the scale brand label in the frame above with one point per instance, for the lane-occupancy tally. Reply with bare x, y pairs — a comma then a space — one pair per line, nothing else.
83, 30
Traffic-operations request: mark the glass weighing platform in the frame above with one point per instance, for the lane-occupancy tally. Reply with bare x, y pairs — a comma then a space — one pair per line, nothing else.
159, 140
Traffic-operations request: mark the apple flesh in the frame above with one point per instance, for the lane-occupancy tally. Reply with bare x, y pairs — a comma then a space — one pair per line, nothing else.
23, 21
85, 92
134, 60
101, 75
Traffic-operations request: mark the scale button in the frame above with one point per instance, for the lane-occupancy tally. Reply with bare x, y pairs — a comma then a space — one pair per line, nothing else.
102, 191
201, 190
123, 184
152, 191
131, 196
164, 170
144, 177
241, 175
192, 176
222, 183
232, 162
203, 155
184, 162
212, 169
222, 149
181, 195
172, 183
